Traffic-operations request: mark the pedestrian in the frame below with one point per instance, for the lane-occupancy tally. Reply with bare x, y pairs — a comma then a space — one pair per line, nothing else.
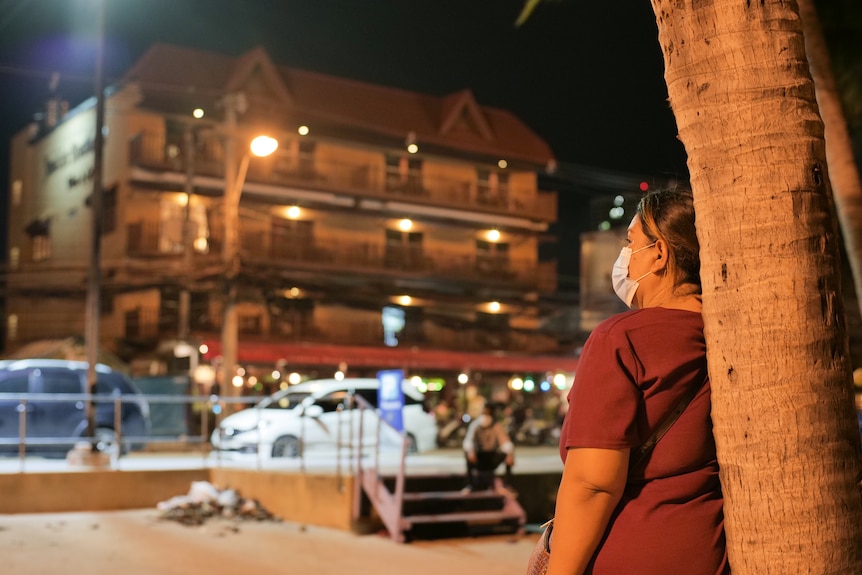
486, 446
664, 515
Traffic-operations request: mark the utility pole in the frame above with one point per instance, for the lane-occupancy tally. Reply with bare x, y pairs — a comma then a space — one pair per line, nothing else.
230, 248
94, 277
188, 239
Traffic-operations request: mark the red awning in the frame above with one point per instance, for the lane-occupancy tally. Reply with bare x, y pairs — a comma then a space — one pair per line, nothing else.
392, 357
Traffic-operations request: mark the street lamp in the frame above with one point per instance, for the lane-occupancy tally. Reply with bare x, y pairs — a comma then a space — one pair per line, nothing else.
261, 146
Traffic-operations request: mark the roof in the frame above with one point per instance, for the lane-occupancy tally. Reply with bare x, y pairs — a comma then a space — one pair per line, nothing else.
454, 122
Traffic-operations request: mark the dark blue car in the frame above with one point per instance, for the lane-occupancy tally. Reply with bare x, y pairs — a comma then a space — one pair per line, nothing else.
54, 423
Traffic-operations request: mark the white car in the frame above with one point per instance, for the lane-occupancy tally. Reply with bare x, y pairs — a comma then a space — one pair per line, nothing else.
307, 417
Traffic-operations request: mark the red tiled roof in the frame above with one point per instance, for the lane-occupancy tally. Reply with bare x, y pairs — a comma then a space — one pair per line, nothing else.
375, 109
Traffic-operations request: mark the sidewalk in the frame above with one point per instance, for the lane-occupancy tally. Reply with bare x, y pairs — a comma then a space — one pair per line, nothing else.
140, 543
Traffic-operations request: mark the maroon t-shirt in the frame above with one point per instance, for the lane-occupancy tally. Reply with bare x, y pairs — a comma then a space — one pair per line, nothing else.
634, 369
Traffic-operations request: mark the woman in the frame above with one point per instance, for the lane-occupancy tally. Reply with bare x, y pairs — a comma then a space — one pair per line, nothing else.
665, 516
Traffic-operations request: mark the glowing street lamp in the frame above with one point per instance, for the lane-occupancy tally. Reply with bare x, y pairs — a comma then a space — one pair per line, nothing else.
260, 146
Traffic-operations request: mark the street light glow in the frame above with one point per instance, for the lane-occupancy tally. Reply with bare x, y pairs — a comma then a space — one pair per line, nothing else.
263, 146
198, 113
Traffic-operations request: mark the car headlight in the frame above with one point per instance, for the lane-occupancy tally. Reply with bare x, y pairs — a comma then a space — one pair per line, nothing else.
233, 431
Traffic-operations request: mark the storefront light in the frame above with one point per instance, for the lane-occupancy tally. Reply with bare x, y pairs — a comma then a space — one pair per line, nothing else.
294, 378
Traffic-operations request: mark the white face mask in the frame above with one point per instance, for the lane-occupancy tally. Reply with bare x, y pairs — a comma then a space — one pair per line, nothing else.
624, 286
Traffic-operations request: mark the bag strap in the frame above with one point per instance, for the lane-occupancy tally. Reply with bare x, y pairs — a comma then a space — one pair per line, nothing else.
639, 455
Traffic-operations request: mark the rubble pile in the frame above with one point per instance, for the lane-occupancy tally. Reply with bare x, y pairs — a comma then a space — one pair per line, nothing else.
205, 501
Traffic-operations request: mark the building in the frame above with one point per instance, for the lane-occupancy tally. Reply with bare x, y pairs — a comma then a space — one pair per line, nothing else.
389, 229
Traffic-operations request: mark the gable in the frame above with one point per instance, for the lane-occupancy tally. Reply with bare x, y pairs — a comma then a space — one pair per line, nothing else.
462, 116
257, 77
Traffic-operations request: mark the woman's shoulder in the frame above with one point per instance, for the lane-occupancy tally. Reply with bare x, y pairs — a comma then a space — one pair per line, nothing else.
660, 317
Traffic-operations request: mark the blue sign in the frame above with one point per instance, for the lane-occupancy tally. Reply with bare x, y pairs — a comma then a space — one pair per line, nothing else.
390, 397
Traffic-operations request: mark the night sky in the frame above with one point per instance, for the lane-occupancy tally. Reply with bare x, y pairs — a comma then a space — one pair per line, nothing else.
587, 76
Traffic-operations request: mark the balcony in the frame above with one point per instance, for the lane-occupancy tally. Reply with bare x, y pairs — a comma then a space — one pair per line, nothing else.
258, 250
265, 250
151, 152
149, 324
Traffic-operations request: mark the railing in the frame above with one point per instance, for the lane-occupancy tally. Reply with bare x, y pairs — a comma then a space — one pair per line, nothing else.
120, 446
260, 250
153, 152
389, 506
148, 323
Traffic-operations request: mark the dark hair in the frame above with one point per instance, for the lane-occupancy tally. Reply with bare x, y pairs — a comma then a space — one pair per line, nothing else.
669, 215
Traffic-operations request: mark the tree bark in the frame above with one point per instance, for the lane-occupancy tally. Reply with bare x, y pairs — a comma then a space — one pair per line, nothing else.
788, 445
842, 171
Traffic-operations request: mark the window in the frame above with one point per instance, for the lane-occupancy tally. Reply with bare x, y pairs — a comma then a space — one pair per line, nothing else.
492, 258
306, 158
492, 188
14, 257
404, 174
404, 250
40, 247
330, 402
17, 192
61, 382
15, 384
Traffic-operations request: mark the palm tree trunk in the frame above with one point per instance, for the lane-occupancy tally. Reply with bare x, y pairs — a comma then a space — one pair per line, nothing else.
843, 173
787, 442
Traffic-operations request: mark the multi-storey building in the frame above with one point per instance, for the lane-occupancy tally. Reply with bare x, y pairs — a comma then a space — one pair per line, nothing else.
388, 229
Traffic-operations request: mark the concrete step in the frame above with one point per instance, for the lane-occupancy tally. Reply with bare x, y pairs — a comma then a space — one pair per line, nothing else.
463, 517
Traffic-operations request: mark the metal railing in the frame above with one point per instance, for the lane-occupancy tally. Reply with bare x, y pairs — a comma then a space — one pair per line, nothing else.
153, 151
389, 505
204, 413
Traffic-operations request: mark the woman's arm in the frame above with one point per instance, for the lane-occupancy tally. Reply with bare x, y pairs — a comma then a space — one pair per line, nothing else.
592, 485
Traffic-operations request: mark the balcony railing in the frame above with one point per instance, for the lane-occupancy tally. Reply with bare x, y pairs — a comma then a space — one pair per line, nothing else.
153, 152
259, 248
265, 249
428, 333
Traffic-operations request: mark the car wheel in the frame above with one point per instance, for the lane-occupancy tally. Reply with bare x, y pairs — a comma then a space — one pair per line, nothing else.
286, 446
411, 444
106, 440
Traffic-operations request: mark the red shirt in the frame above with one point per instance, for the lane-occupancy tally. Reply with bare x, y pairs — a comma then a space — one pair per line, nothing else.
633, 371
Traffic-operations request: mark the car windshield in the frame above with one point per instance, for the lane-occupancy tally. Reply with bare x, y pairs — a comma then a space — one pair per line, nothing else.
283, 400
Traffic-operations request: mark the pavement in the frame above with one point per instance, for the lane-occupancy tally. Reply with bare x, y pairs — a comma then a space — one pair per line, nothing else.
438, 461
140, 542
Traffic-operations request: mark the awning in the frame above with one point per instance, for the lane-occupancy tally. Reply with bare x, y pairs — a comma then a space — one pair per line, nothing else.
392, 357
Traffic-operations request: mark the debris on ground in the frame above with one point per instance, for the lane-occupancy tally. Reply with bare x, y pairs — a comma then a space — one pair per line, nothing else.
205, 501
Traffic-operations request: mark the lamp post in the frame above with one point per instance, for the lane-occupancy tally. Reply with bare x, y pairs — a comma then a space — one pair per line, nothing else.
261, 146
94, 276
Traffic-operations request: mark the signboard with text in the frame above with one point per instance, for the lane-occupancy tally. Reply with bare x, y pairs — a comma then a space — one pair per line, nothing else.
390, 397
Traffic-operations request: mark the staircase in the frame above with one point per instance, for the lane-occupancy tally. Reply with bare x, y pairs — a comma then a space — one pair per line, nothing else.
429, 506
433, 507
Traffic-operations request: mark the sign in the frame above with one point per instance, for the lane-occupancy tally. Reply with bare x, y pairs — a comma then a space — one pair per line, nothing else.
390, 397
393, 323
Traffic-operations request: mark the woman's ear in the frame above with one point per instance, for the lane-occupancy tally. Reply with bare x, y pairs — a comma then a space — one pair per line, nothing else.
660, 264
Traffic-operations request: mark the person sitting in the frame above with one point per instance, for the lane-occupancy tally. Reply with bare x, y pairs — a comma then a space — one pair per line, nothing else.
486, 446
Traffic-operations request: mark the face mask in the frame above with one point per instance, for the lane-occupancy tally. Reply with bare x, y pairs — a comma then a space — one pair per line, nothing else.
624, 286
